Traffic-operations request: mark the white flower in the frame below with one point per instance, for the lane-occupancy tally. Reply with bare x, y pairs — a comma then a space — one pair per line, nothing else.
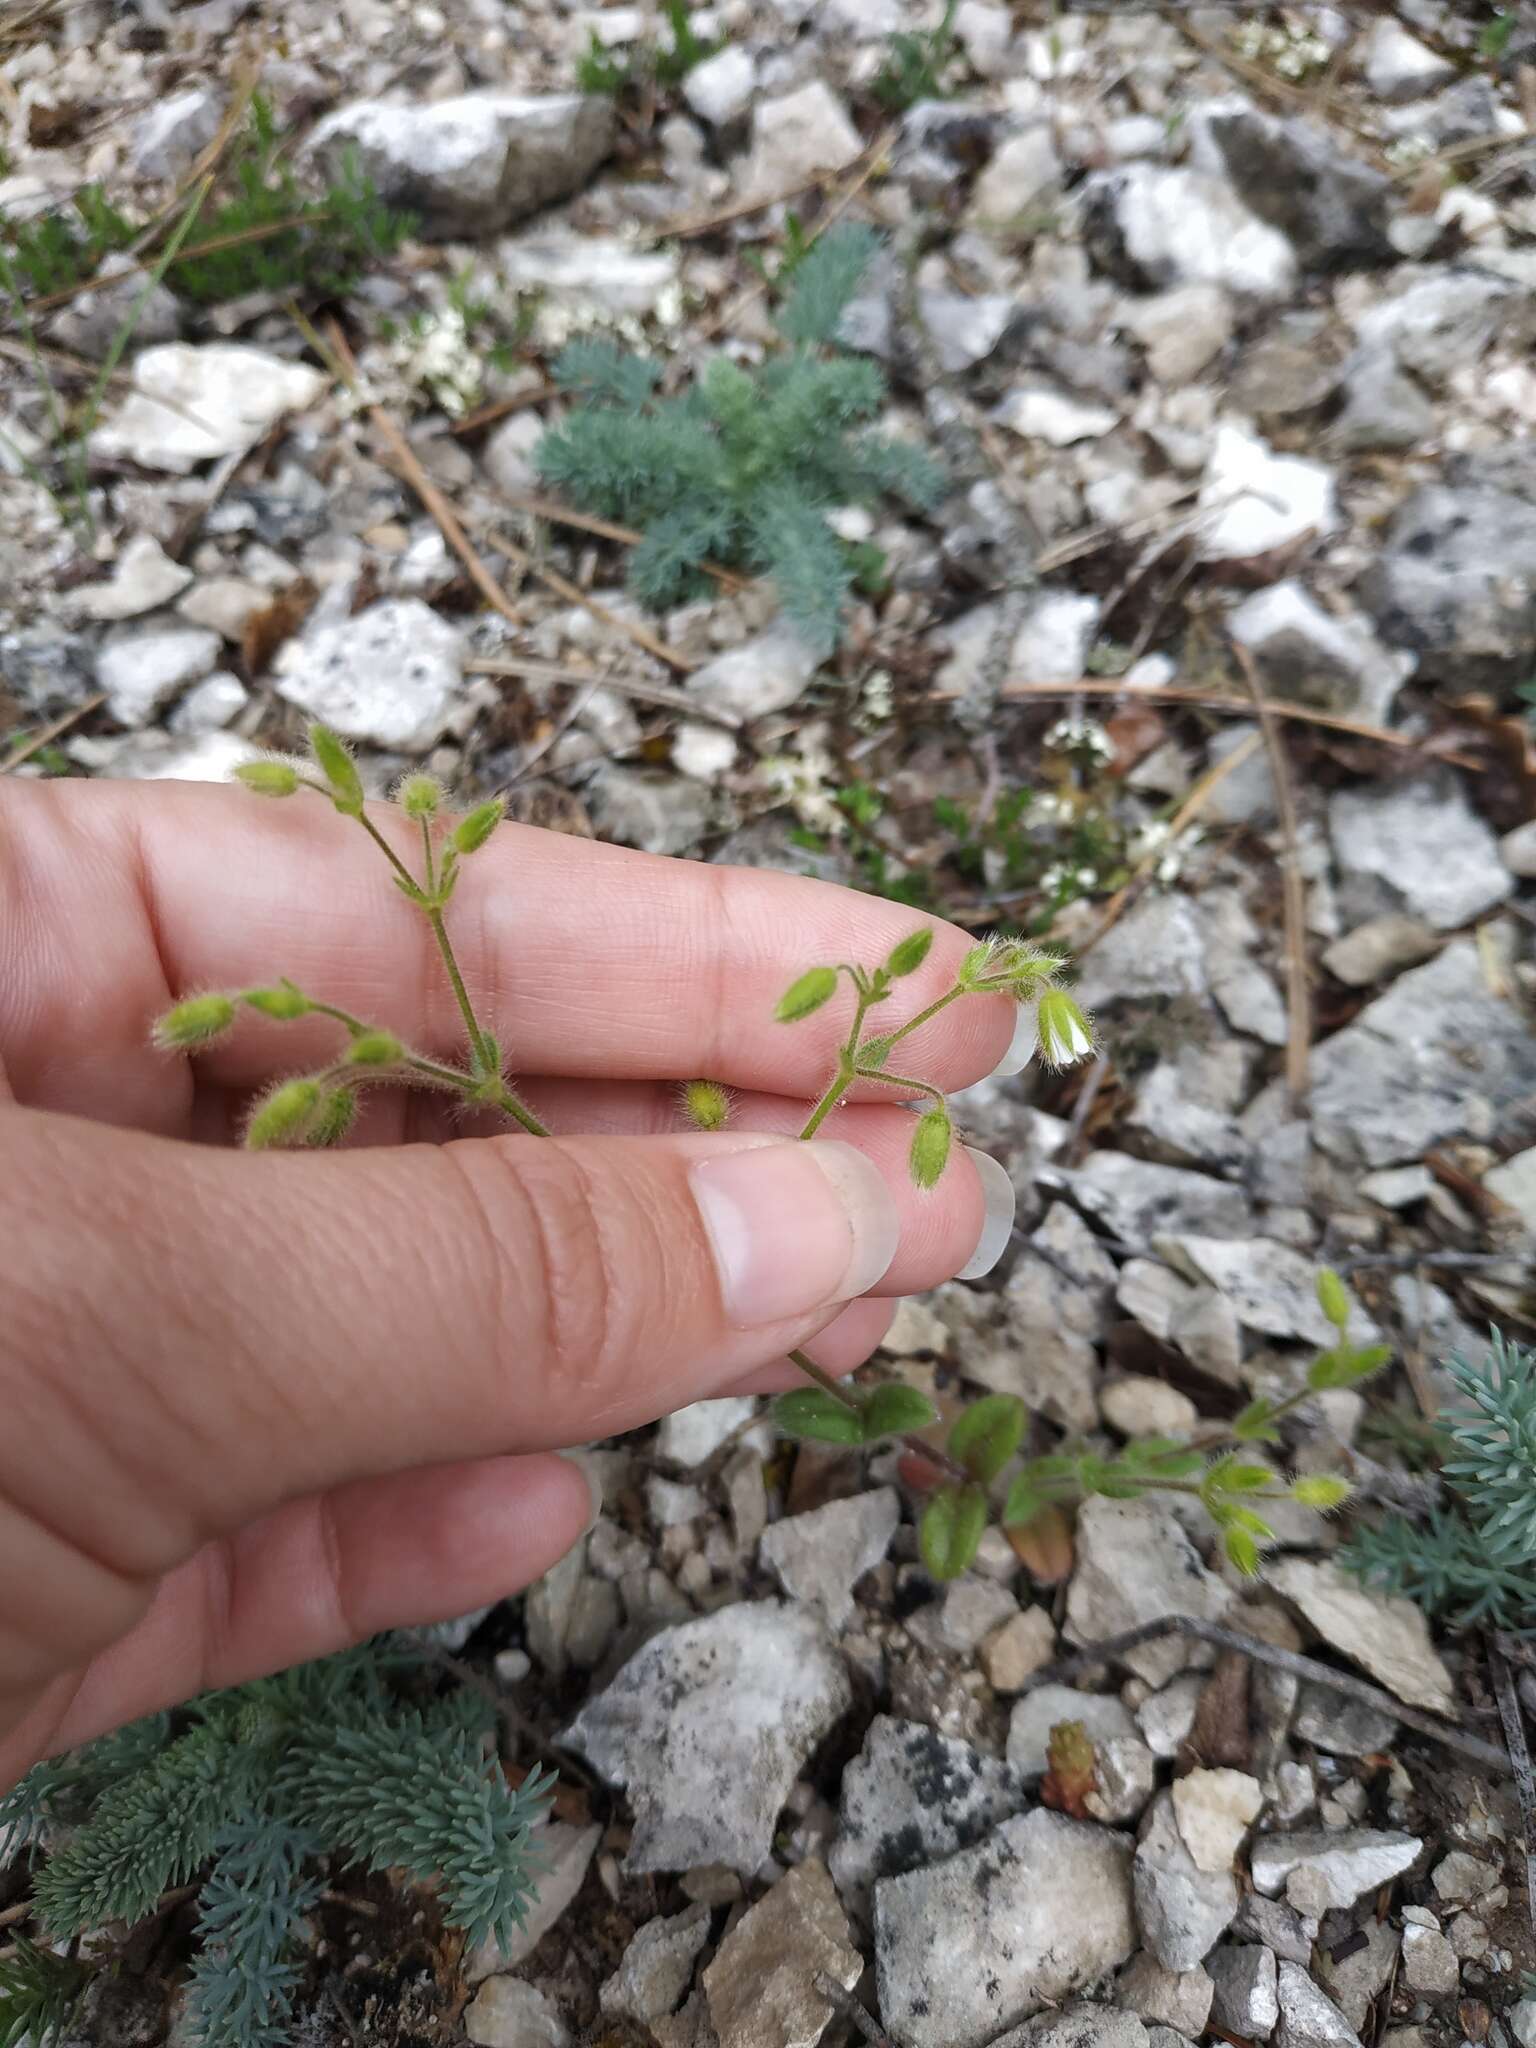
1062, 1032
1080, 736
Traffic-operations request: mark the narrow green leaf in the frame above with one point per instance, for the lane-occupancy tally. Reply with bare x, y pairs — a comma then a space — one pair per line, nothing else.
951, 1529
1024, 1502
893, 1409
1254, 1426
988, 1434
813, 1416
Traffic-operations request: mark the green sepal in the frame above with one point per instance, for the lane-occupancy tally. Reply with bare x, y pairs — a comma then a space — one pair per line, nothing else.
335, 1118
988, 1434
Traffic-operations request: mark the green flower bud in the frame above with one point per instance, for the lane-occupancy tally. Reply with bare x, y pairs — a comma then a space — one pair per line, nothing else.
337, 1114
706, 1105
420, 796
284, 1115
374, 1049
1062, 1031
975, 965
1333, 1298
285, 1002
194, 1022
1321, 1492
910, 954
476, 826
338, 768
816, 986
1243, 1552
268, 778
930, 1148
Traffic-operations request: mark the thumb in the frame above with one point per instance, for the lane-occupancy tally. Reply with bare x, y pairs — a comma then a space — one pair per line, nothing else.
196, 1336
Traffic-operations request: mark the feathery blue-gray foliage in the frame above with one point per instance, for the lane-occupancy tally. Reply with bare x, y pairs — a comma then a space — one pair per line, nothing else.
1473, 1561
249, 1786
742, 467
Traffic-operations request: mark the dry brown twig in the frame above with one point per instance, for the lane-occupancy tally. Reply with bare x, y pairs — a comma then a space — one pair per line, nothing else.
1513, 1720
609, 529
1113, 1648
1180, 822
1298, 1036
573, 592
691, 226
408, 463
36, 741
1209, 700
639, 687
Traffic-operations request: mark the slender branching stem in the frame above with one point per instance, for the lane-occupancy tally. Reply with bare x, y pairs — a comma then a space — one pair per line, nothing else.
902, 1081
924, 1016
407, 879
833, 1096
429, 871
354, 1025
510, 1105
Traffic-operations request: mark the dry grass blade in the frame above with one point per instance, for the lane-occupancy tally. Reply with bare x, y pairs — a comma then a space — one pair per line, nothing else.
573, 592
18, 21
1220, 1637
1182, 819
639, 687
1298, 1036
235, 240
609, 529
863, 167
35, 742
408, 464
1211, 700
1513, 1721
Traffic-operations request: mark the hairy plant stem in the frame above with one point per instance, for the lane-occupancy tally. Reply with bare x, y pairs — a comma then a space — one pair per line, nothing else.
498, 1094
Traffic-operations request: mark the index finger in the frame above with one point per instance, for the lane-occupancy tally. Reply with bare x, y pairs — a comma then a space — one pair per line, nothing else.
586, 960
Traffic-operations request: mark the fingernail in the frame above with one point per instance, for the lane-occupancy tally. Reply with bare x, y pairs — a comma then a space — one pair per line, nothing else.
997, 1226
794, 1228
588, 1472
1021, 1048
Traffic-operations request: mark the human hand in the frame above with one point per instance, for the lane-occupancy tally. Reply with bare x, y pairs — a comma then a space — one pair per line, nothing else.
256, 1407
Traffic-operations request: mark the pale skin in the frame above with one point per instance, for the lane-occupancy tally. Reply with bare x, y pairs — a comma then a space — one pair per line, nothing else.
256, 1407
